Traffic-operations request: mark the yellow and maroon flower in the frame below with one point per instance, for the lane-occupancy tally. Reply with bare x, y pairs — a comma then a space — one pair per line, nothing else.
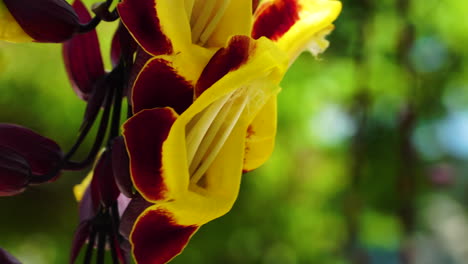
205, 104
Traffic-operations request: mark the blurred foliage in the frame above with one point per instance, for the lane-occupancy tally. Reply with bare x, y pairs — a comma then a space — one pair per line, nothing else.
370, 160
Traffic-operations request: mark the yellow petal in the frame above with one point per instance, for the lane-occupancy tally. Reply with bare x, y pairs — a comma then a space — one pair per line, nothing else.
261, 136
237, 20
175, 24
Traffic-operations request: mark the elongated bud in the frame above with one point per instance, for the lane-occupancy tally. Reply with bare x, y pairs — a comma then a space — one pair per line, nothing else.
120, 166
42, 154
14, 172
82, 57
103, 183
37, 20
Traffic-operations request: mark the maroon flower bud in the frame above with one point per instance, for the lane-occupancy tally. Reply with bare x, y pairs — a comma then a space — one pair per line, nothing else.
42, 154
82, 57
103, 183
40, 20
120, 165
14, 173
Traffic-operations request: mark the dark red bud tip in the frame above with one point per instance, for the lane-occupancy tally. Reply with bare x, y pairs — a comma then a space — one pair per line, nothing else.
82, 57
121, 167
14, 172
7, 258
42, 154
45, 20
103, 183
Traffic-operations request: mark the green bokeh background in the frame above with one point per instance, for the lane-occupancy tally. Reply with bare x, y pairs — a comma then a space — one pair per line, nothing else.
370, 161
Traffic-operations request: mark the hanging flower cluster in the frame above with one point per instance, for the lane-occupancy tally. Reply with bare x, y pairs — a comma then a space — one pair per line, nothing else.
201, 78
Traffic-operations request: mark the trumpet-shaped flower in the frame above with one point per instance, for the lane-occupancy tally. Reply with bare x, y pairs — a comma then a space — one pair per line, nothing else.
205, 104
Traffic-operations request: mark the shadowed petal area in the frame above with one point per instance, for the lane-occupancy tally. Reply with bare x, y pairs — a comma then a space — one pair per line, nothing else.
44, 20
14, 172
160, 85
141, 20
41, 153
82, 57
157, 238
7, 258
144, 135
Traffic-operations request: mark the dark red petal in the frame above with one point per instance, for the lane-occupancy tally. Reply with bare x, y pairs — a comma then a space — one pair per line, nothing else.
122, 43
159, 85
141, 19
7, 258
274, 19
103, 180
121, 167
144, 135
14, 172
82, 57
80, 237
41, 153
225, 60
157, 238
136, 206
45, 20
